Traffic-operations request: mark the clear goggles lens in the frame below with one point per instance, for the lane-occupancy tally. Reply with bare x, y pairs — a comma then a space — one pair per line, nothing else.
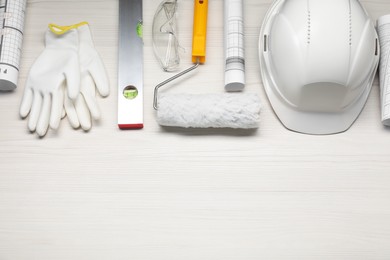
165, 43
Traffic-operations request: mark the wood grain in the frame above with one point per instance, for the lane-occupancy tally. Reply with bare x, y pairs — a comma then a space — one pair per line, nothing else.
187, 194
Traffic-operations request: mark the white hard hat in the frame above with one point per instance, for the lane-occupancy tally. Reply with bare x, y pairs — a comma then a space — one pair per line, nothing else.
318, 60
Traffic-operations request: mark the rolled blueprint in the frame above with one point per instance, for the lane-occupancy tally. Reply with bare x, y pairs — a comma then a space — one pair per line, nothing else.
234, 45
384, 68
12, 24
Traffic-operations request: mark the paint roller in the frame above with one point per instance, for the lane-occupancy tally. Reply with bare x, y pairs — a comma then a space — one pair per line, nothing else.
227, 110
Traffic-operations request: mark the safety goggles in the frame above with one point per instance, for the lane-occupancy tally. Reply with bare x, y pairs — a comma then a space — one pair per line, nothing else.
164, 32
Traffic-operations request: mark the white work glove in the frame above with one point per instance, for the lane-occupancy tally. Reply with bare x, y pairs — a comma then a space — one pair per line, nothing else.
84, 109
44, 94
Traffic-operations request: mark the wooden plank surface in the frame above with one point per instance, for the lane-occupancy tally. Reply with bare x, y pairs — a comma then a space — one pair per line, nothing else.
169, 194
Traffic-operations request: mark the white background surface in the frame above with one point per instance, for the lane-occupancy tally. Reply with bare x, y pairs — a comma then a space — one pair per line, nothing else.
187, 194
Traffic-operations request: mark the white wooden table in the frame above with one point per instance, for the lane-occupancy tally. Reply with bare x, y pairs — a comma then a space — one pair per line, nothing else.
163, 194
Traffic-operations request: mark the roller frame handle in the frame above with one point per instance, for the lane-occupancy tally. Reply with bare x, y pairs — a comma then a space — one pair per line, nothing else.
199, 31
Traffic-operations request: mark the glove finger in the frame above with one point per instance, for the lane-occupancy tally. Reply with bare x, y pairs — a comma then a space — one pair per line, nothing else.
43, 122
57, 108
71, 113
89, 94
73, 78
27, 101
99, 75
63, 114
83, 113
92, 106
35, 111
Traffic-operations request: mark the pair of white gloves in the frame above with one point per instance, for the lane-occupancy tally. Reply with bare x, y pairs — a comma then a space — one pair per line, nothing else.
63, 81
